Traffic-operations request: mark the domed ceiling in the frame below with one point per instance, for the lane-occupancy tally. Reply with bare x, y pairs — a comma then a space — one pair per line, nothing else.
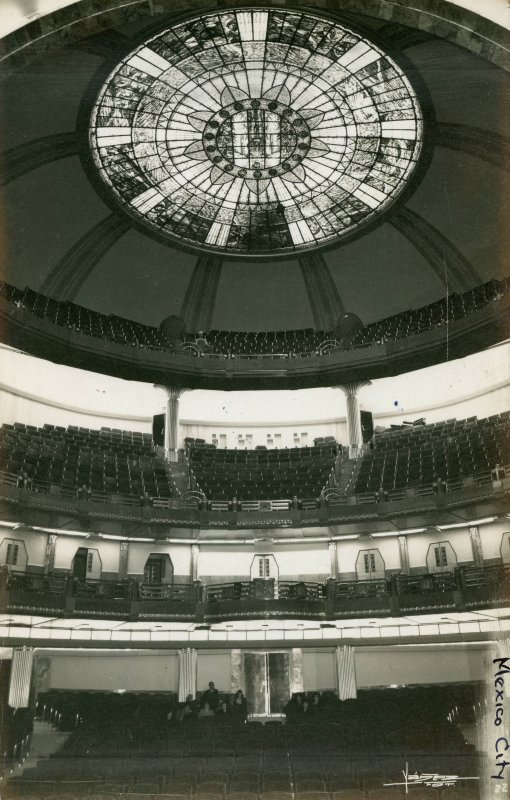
252, 168
256, 132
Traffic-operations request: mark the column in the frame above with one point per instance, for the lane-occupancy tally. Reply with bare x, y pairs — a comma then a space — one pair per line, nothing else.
123, 560
296, 671
21, 677
187, 673
49, 556
404, 555
195, 552
171, 420
476, 544
333, 560
236, 670
354, 434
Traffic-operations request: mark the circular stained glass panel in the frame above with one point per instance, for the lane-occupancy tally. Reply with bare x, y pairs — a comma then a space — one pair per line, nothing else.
256, 132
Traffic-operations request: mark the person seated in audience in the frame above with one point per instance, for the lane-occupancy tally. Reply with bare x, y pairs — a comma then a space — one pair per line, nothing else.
306, 710
381, 496
239, 708
188, 709
294, 708
223, 709
171, 715
205, 711
329, 704
211, 696
315, 706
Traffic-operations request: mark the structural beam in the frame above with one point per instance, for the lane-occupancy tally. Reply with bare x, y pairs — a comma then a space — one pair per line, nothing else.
450, 266
23, 158
490, 147
198, 304
68, 276
325, 301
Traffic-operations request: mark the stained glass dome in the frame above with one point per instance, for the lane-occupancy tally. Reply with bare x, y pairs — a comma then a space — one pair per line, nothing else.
256, 132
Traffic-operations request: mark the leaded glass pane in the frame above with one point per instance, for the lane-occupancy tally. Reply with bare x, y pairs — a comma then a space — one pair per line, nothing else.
256, 131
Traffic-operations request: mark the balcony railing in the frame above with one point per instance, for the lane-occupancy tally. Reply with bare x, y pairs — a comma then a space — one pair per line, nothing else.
53, 503
462, 589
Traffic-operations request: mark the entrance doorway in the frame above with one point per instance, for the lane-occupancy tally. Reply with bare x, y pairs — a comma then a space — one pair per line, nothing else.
267, 682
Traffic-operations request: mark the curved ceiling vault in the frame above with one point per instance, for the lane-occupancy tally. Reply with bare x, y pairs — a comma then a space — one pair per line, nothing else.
404, 136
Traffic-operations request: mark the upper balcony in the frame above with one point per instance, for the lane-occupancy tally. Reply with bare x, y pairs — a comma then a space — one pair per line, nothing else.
70, 334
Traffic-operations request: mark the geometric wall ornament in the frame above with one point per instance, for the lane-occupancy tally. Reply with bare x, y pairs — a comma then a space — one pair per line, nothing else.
256, 131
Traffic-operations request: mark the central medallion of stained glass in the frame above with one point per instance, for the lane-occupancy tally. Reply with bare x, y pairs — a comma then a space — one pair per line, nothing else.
256, 132
256, 139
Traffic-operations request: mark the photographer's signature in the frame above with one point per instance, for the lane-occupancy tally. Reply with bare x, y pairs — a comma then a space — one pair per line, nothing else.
433, 779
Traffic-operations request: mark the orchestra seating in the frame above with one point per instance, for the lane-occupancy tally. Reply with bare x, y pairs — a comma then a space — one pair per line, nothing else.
444, 455
76, 460
250, 344
125, 746
261, 474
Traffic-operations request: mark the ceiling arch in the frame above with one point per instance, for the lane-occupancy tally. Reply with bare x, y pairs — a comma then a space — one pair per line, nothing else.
68, 276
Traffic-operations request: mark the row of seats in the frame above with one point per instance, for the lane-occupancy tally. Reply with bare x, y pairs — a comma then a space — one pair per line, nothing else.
123, 466
406, 434
378, 721
439, 455
255, 474
84, 461
306, 341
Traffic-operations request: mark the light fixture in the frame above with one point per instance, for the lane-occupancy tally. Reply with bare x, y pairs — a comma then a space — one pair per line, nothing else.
413, 530
466, 524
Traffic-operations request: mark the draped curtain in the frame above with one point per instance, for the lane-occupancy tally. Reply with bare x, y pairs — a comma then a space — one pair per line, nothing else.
346, 673
187, 673
21, 677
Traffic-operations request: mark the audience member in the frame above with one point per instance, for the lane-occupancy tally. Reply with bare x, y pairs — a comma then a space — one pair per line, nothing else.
188, 709
294, 708
239, 707
211, 696
205, 711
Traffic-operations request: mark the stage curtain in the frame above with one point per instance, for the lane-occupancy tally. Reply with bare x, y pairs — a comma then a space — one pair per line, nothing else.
21, 677
187, 673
